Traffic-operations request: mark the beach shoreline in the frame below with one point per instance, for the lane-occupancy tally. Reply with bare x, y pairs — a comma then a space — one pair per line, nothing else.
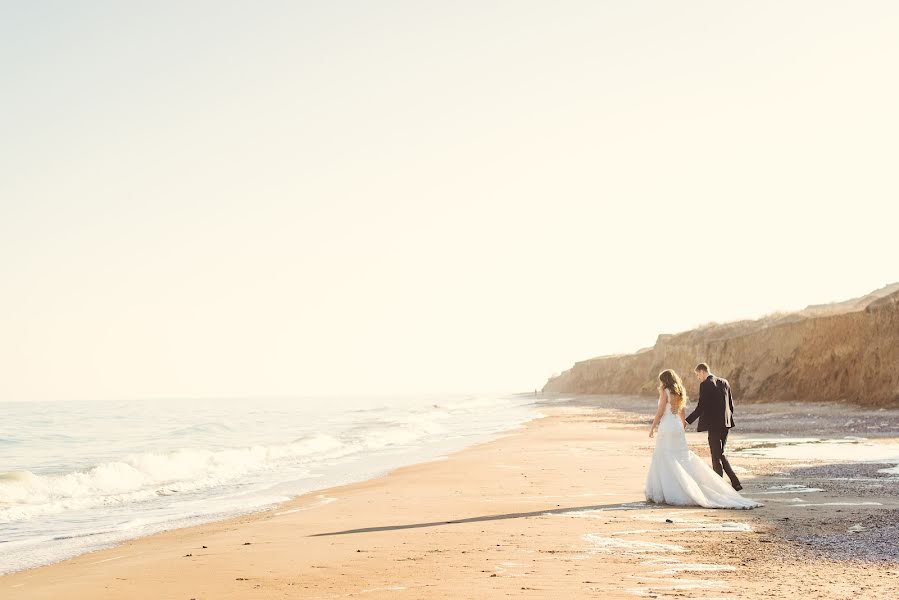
103, 473
551, 509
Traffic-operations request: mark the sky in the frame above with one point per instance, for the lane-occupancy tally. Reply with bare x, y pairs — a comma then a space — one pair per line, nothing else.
202, 199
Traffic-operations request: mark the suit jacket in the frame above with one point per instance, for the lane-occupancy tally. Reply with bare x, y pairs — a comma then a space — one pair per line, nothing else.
715, 409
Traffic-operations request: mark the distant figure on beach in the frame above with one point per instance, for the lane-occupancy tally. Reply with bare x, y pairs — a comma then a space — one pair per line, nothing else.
677, 476
715, 411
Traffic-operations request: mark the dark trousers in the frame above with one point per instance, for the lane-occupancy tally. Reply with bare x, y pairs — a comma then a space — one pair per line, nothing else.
717, 440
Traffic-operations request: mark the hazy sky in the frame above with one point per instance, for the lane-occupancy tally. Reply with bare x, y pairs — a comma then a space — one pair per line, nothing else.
239, 198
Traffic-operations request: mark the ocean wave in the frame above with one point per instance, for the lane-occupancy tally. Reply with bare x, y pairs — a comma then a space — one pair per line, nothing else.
100, 473
138, 477
211, 428
151, 475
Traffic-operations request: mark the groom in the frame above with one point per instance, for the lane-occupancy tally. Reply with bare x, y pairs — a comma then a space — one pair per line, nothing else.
715, 411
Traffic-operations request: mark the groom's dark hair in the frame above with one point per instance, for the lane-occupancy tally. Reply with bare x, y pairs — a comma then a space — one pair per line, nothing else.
702, 367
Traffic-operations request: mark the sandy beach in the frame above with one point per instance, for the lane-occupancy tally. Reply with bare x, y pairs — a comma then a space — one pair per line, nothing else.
551, 510
379, 300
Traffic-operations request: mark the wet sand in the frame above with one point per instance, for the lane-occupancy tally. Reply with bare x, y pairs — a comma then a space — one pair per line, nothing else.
552, 510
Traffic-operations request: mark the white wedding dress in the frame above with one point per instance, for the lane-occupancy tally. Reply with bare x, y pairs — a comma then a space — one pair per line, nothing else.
677, 476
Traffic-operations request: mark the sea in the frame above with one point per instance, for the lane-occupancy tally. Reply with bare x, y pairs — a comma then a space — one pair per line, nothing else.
77, 476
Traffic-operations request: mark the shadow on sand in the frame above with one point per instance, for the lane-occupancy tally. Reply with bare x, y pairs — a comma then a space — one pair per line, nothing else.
520, 515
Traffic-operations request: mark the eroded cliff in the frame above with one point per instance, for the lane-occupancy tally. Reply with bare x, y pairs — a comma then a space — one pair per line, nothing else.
847, 351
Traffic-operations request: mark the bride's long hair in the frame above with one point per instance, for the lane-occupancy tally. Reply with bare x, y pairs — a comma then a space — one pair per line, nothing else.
670, 380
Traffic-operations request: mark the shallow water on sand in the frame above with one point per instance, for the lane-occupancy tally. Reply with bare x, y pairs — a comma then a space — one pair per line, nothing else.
78, 476
847, 449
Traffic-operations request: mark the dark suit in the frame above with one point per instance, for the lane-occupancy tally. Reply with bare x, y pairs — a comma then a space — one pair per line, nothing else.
715, 411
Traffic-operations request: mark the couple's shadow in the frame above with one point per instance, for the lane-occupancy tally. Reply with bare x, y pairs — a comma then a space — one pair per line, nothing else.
518, 515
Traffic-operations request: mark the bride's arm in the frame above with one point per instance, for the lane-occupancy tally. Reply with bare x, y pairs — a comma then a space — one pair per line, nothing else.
659, 413
683, 419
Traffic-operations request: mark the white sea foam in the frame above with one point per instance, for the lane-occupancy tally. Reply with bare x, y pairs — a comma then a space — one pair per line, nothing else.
596, 513
321, 500
24, 495
790, 489
841, 504
603, 544
850, 449
683, 526
78, 476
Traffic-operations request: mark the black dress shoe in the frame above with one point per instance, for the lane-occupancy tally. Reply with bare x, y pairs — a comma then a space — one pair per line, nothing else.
737, 487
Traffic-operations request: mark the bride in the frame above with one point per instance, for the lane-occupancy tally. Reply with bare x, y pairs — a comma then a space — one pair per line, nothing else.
677, 475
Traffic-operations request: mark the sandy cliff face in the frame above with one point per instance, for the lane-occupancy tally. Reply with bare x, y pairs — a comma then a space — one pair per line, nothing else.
848, 351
